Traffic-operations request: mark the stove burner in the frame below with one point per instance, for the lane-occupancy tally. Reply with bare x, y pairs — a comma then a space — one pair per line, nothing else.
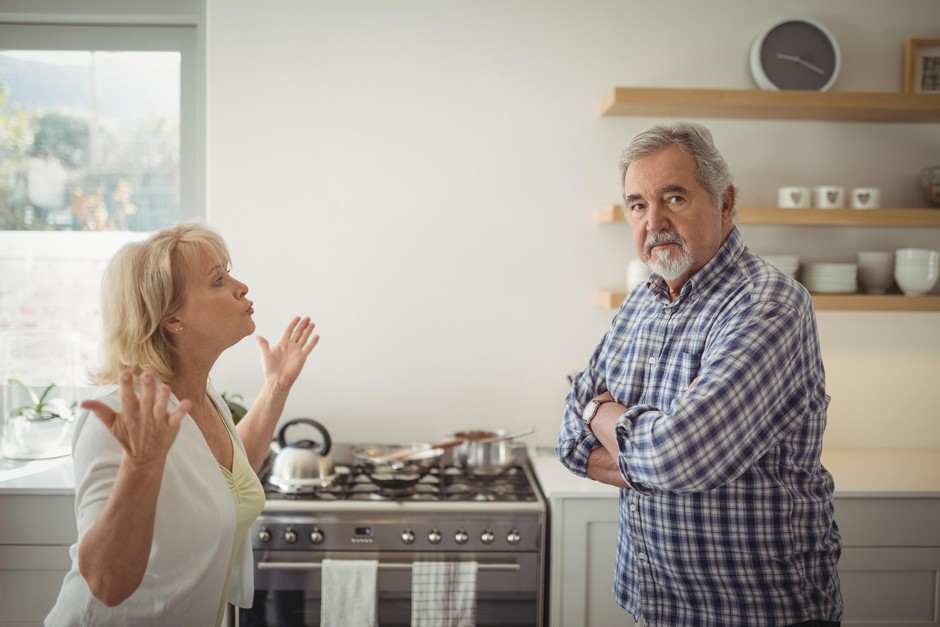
445, 483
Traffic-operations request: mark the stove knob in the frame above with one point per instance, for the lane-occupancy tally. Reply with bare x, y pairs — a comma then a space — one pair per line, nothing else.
461, 537
316, 536
434, 536
408, 536
513, 537
487, 537
290, 536
264, 536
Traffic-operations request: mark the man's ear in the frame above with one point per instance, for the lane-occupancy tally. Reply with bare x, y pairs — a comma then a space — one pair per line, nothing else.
727, 202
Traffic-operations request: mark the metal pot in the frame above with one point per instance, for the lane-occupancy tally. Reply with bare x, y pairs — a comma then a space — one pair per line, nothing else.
486, 453
397, 467
302, 466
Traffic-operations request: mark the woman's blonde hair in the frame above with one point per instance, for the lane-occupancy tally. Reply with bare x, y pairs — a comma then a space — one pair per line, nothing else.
143, 285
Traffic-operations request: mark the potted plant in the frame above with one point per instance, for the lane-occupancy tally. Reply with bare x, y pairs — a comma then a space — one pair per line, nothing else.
38, 429
234, 402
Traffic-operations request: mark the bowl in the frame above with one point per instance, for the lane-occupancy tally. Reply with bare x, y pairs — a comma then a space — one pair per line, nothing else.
930, 183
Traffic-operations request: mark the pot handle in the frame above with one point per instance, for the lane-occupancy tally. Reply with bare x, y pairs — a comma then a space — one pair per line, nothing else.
282, 442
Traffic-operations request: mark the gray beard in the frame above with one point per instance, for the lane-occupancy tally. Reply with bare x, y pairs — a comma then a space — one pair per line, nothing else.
671, 266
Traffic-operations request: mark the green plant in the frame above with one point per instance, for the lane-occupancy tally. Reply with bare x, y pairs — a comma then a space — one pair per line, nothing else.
234, 405
42, 407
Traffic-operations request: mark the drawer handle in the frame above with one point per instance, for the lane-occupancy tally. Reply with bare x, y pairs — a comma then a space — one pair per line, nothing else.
382, 565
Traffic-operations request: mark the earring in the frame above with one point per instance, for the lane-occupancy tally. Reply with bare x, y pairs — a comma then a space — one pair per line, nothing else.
179, 329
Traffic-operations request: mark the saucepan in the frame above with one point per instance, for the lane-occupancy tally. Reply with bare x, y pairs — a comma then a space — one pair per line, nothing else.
486, 453
302, 466
397, 466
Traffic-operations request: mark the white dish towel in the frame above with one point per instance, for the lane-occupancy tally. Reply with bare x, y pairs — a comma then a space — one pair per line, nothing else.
348, 593
444, 594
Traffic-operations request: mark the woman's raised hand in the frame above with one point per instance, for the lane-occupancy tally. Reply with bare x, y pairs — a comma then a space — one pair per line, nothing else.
144, 427
283, 362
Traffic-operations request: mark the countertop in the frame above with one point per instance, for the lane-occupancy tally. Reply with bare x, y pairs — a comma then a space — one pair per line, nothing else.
858, 473
41, 476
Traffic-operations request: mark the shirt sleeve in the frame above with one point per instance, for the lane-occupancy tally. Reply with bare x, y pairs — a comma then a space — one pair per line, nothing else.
96, 456
755, 383
575, 443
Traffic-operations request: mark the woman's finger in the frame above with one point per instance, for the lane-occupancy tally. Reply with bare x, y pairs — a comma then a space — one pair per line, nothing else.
127, 395
104, 413
147, 392
290, 329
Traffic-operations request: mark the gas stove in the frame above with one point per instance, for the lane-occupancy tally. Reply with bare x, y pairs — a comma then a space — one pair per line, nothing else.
498, 522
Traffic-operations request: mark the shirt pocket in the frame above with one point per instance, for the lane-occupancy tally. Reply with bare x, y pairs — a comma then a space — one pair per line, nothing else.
687, 365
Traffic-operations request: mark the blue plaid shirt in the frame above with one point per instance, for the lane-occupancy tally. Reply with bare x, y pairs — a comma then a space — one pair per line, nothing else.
729, 519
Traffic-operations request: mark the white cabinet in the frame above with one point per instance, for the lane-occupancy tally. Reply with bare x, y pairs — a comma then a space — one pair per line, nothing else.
890, 562
887, 506
583, 550
35, 534
889, 568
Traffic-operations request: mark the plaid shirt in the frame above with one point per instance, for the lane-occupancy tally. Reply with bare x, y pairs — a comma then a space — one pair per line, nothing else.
729, 521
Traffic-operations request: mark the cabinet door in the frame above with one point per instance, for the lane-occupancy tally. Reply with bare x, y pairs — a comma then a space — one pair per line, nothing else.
584, 547
32, 577
890, 586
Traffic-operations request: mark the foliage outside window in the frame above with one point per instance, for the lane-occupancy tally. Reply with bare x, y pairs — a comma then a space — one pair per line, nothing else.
89, 141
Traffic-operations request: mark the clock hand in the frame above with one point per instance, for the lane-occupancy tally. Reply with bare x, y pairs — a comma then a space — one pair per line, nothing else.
806, 64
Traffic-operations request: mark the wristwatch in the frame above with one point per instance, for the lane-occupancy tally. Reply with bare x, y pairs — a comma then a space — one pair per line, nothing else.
590, 410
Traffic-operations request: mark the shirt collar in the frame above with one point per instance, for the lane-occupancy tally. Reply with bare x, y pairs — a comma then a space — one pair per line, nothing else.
707, 276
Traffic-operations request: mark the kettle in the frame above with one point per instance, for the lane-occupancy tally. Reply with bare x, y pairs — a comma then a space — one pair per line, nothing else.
303, 466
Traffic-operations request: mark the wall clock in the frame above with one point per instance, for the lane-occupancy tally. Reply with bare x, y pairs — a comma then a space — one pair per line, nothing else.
795, 53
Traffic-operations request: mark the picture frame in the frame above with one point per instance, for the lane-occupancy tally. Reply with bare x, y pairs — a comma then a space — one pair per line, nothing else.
922, 66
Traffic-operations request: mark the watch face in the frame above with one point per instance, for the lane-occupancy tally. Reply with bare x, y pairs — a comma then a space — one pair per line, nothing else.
798, 55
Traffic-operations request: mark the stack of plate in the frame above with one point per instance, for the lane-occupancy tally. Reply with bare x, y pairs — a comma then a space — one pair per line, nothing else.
831, 278
788, 264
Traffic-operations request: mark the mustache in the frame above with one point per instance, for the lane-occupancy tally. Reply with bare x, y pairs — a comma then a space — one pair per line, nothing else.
664, 237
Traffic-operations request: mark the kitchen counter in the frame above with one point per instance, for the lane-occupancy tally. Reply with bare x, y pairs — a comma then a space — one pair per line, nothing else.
41, 476
858, 473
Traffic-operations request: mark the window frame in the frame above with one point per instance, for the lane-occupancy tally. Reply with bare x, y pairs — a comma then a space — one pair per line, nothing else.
169, 36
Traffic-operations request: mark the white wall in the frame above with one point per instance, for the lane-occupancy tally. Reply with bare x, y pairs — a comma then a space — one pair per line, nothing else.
422, 177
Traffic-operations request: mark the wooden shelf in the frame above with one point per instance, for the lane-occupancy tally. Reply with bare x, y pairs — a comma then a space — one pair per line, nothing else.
771, 105
815, 217
611, 299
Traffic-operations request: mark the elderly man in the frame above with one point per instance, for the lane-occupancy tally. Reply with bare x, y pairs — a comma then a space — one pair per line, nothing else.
705, 403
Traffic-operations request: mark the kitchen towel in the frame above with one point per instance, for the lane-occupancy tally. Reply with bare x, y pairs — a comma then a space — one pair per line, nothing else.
348, 593
443, 594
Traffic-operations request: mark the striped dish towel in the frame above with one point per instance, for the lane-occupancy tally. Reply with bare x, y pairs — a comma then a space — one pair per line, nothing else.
444, 594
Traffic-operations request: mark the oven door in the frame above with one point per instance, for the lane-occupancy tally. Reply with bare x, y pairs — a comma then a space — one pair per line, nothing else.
287, 587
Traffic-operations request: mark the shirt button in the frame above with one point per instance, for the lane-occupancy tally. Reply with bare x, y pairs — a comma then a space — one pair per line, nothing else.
641, 557
652, 360
633, 507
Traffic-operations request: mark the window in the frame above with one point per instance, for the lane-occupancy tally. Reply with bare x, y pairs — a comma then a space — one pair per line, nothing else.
98, 146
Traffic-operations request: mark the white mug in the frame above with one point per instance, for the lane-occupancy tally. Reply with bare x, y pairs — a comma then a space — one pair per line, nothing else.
865, 197
793, 197
829, 197
637, 272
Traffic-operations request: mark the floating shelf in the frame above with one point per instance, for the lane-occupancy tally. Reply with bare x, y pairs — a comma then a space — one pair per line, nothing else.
824, 302
771, 105
815, 217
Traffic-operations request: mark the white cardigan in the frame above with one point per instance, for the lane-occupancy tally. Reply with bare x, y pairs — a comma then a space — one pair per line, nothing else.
193, 534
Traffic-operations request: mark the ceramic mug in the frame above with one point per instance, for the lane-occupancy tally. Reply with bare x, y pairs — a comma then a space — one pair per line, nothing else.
829, 197
637, 272
865, 197
793, 197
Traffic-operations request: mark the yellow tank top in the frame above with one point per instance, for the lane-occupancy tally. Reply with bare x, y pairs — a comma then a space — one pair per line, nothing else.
248, 496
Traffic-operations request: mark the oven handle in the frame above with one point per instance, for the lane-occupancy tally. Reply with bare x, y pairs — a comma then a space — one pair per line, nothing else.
382, 565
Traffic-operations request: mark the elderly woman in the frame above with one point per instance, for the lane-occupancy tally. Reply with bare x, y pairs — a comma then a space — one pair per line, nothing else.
165, 482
